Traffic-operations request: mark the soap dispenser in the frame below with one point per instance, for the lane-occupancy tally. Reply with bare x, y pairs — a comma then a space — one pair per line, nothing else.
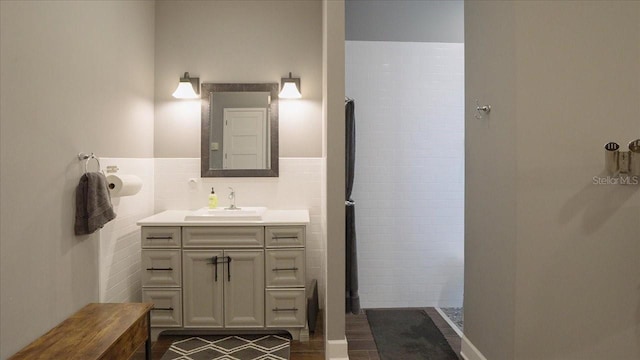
213, 200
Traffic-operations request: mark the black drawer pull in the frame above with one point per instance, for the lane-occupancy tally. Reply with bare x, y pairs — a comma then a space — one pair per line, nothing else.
285, 269
284, 238
167, 309
159, 237
163, 269
291, 309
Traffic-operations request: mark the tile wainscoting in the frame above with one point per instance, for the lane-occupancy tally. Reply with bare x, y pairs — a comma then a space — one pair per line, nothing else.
120, 238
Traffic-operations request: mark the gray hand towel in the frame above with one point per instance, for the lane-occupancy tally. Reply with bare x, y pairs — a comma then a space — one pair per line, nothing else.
93, 203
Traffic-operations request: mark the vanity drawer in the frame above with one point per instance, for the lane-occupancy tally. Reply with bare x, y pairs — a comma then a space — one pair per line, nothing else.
167, 306
218, 237
285, 268
161, 237
283, 236
161, 268
285, 308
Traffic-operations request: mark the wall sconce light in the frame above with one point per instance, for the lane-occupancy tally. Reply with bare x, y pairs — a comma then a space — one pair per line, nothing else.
290, 88
188, 88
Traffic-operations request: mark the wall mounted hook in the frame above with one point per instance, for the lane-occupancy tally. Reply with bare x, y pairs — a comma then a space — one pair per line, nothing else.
482, 110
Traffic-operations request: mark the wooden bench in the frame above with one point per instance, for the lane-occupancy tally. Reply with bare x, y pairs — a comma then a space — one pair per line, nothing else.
97, 331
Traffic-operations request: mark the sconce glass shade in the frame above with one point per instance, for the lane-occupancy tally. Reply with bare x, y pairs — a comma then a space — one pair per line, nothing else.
290, 91
290, 88
185, 89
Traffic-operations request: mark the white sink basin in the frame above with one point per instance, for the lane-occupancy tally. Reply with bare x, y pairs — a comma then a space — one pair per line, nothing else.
252, 213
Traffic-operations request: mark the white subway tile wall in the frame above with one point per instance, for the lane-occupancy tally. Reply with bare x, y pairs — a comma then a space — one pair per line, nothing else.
178, 186
409, 178
120, 238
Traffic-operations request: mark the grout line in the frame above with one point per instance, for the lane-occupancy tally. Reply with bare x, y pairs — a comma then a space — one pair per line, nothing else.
451, 323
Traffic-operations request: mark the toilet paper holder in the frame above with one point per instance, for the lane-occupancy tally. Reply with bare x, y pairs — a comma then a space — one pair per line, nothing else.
622, 162
112, 169
120, 185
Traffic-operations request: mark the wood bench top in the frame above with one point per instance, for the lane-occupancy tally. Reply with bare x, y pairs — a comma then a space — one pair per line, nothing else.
97, 331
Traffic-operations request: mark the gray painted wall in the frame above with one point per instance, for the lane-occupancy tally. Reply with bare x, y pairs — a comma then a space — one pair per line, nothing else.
405, 20
552, 266
333, 196
76, 76
238, 42
490, 181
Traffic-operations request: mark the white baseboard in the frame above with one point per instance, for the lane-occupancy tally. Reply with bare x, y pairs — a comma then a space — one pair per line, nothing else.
470, 352
337, 350
446, 318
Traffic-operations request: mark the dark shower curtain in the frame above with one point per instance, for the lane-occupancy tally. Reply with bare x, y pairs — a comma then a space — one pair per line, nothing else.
352, 298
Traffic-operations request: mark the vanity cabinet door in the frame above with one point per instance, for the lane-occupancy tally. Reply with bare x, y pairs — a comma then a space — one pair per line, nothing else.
203, 290
244, 289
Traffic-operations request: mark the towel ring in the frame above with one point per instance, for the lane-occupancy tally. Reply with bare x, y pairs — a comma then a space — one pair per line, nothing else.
88, 157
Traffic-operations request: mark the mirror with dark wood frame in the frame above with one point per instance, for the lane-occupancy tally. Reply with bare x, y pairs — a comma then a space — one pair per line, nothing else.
239, 134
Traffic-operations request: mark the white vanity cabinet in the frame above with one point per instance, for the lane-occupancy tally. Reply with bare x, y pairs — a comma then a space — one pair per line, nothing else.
285, 274
228, 276
161, 274
223, 277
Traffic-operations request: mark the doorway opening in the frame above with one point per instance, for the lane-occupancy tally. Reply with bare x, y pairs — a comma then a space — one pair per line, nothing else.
405, 73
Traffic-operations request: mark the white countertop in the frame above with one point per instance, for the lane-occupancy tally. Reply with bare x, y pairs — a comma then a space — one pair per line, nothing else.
271, 217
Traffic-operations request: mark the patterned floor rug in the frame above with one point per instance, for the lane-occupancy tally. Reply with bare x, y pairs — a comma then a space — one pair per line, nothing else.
238, 347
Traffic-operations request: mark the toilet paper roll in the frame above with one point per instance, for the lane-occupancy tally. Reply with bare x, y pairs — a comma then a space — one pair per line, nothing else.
123, 185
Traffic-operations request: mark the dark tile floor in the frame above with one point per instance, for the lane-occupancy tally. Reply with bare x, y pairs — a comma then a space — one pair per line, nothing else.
359, 336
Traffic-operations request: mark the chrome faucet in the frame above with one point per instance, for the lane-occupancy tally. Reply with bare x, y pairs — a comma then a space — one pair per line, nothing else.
232, 197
